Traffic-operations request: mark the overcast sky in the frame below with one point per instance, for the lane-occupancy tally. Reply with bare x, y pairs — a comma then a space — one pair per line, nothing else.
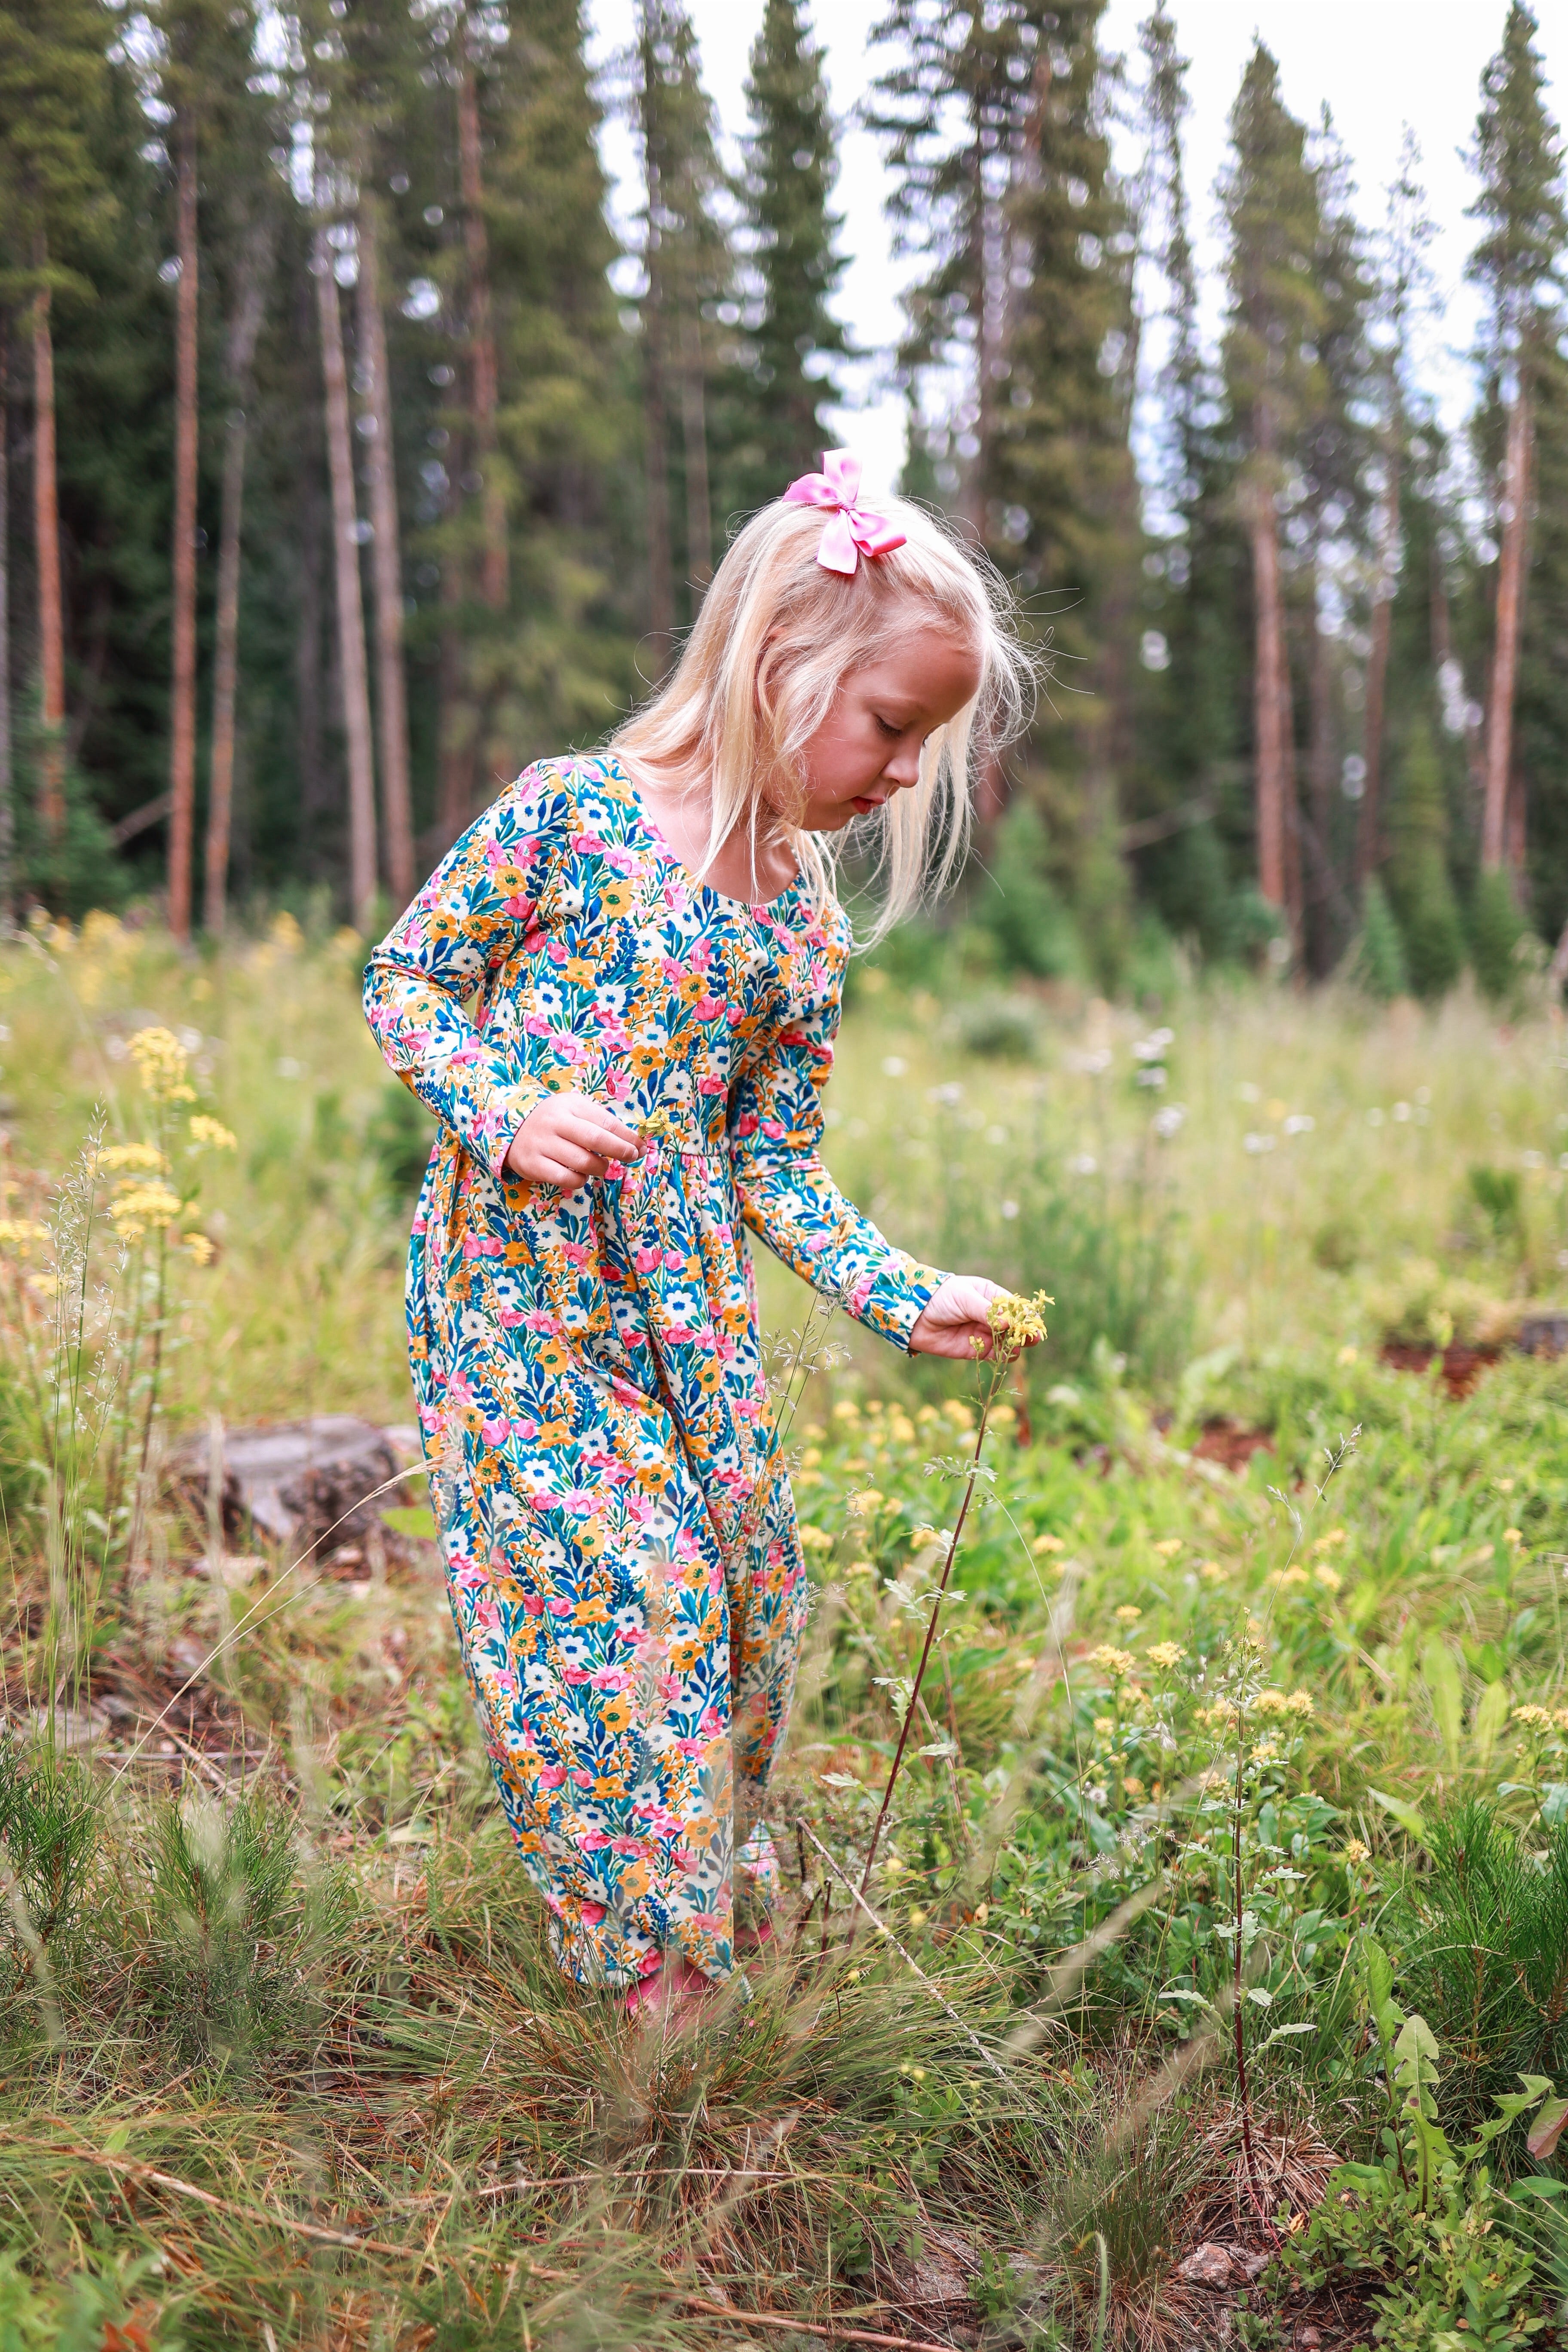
1378, 64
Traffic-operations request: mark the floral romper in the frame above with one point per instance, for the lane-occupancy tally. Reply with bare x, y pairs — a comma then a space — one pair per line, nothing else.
623, 1564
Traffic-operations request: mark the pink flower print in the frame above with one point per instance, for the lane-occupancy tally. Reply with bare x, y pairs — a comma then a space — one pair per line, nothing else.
646, 1260
612, 1679
592, 1840
692, 1749
861, 1293
533, 1604
712, 1722
675, 1261
556, 950
534, 1024
583, 1780
553, 1776
497, 1431
628, 1848
560, 1605
593, 1913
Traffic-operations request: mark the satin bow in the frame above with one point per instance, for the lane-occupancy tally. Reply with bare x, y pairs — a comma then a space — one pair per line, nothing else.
850, 530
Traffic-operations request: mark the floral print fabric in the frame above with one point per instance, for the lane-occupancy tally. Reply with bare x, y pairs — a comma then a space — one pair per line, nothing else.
623, 1560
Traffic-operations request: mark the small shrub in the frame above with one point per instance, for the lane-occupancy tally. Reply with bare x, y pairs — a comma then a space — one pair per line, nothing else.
1484, 1938
1002, 1028
226, 1912
1378, 960
48, 1819
1497, 927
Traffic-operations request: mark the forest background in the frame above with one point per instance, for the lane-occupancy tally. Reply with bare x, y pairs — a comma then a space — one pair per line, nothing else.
352, 458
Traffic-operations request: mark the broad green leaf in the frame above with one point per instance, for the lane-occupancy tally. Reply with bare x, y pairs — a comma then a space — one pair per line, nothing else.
1440, 1673
1487, 1722
1281, 2032
1261, 1995
1406, 1815
1555, 1804
1547, 2130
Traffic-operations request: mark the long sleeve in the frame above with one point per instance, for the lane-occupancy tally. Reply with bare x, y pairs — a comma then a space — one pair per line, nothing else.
481, 907
790, 1200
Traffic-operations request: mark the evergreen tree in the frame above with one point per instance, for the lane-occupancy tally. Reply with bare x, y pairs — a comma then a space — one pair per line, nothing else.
54, 92
1519, 157
1335, 454
1273, 381
689, 270
1403, 281
1377, 963
789, 336
1418, 881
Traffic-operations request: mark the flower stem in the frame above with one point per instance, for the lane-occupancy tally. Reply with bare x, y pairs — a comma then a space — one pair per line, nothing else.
931, 1637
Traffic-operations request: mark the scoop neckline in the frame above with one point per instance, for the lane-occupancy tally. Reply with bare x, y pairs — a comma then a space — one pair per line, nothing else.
758, 906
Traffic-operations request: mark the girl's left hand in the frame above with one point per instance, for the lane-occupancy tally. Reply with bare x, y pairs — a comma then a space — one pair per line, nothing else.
954, 1319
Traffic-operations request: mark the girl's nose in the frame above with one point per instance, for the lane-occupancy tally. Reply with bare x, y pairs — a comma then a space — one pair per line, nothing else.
904, 768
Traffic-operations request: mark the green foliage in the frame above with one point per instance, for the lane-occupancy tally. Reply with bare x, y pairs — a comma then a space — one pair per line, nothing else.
227, 1911
1425, 2223
1482, 1935
772, 418
400, 1137
1497, 927
1016, 904
1377, 962
50, 1822
1418, 870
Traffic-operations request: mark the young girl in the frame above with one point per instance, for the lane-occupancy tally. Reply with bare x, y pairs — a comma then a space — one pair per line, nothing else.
655, 952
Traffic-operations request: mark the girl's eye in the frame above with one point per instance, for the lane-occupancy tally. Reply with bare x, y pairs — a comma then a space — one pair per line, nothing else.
887, 728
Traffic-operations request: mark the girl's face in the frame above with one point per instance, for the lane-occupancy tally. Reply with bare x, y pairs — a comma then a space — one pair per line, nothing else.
869, 746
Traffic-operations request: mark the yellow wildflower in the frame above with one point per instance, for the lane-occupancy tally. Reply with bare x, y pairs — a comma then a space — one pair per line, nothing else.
1212, 1573
923, 1537
1168, 1547
1017, 1323
860, 1568
1166, 1655
1127, 1615
162, 1062
211, 1134
1329, 1578
1301, 1702
22, 1235
1534, 1718
1288, 1579
816, 1539
846, 1410
1326, 1543
1117, 1664
200, 1248
1355, 1852
1512, 1536
144, 1208
1104, 1725
864, 1503
118, 1157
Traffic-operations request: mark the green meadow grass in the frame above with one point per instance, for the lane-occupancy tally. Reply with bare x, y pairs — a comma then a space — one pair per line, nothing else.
283, 2060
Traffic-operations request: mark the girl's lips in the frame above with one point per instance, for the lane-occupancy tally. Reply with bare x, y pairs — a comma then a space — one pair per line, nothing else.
867, 802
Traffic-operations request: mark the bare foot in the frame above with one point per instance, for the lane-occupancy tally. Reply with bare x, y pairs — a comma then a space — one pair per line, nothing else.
667, 1993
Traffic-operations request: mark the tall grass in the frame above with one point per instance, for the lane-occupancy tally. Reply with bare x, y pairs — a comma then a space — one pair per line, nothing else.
282, 2058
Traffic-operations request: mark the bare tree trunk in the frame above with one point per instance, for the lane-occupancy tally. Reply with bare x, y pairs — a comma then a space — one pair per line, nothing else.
694, 432
46, 539
481, 336
391, 690
351, 610
183, 687
1271, 687
1505, 648
7, 804
660, 562
1369, 820
244, 328
1321, 785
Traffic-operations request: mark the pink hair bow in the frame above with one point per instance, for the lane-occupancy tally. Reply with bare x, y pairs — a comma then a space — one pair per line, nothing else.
850, 530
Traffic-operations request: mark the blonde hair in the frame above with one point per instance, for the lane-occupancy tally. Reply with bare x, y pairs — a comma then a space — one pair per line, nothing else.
771, 646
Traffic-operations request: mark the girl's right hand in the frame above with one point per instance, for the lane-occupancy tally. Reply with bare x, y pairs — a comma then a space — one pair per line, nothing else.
566, 1140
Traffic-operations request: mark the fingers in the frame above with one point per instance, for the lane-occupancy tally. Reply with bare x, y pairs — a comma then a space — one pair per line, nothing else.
589, 1123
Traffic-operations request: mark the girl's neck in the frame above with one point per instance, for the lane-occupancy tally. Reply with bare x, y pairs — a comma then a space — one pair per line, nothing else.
752, 864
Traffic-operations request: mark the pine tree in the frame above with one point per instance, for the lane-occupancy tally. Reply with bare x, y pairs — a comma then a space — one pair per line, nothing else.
1378, 961
1519, 157
1418, 881
961, 107
788, 326
688, 271
1335, 452
1272, 380
54, 90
